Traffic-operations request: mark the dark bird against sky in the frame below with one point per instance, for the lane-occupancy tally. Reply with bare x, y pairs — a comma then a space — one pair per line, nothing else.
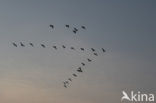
82, 49
14, 44
63, 46
79, 69
67, 26
22, 44
55, 47
52, 26
103, 50
74, 31
43, 45
31, 44
72, 48
89, 60
93, 49
83, 64
95, 54
74, 75
69, 79
83, 27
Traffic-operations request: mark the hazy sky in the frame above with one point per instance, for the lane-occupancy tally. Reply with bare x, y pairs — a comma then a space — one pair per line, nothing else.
125, 28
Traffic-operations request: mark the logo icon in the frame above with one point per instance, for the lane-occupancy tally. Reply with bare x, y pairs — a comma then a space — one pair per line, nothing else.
137, 97
125, 96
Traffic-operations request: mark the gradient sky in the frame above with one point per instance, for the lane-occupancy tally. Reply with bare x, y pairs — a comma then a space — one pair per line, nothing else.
125, 28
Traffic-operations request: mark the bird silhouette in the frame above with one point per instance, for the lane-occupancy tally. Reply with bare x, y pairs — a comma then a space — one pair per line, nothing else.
93, 49
89, 60
63, 46
65, 85
66, 82
83, 27
82, 49
43, 45
79, 69
74, 31
72, 48
74, 75
83, 64
67, 26
52, 26
69, 79
103, 50
31, 44
55, 47
14, 44
95, 54
22, 44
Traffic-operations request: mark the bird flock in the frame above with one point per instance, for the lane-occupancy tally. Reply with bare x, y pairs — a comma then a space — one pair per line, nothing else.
74, 29
80, 68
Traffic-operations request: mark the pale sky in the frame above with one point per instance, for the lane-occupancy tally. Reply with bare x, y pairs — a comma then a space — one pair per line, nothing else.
125, 28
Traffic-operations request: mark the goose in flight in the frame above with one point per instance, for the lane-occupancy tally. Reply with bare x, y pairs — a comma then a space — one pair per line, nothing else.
82, 49
69, 79
14, 44
83, 64
74, 75
63, 46
66, 82
74, 31
79, 69
31, 44
22, 44
43, 45
65, 85
83, 27
52, 26
55, 47
93, 49
95, 54
72, 48
67, 26
103, 50
89, 60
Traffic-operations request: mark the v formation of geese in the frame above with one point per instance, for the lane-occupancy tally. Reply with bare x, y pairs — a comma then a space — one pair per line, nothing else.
79, 69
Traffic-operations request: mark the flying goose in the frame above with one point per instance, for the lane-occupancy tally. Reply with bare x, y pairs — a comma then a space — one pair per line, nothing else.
14, 44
